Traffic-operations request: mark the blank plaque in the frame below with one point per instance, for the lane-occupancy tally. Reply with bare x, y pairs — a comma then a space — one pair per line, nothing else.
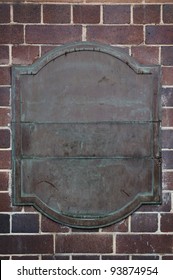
86, 135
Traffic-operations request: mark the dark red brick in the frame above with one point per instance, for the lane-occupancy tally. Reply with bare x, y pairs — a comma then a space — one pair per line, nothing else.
4, 223
4, 96
4, 55
144, 244
167, 76
167, 159
167, 180
164, 207
168, 13
84, 243
5, 117
4, 13
85, 257
146, 222
167, 55
4, 138
121, 226
167, 117
161, 35
45, 49
5, 77
167, 139
12, 34
144, 257
24, 54
116, 34
25, 257
55, 257
4, 180
146, 55
52, 34
5, 159
143, 14
166, 222
56, 14
26, 244
5, 202
47, 225
115, 257
25, 223
86, 14
167, 97
116, 14
27, 13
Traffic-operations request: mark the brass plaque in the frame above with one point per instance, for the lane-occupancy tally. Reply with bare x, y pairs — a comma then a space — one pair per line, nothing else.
86, 135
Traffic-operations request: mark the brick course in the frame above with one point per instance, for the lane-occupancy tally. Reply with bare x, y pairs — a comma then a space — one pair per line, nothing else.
27, 31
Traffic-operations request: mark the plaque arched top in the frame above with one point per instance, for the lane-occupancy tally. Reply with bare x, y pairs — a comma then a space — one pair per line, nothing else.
86, 134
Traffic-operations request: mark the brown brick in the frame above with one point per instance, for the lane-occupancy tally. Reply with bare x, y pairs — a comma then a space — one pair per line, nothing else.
4, 13
144, 244
167, 76
45, 49
26, 244
4, 179
5, 159
146, 55
115, 1
144, 257
4, 116
27, 13
47, 225
164, 207
144, 222
167, 159
143, 14
5, 77
116, 14
52, 34
55, 257
4, 55
25, 257
167, 117
25, 223
115, 257
24, 54
116, 34
4, 223
167, 180
84, 243
166, 222
12, 34
4, 96
4, 138
167, 56
86, 14
85, 257
159, 34
168, 13
5, 202
167, 139
121, 226
56, 14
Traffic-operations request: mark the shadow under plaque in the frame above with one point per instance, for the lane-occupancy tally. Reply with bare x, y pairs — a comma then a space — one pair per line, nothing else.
86, 135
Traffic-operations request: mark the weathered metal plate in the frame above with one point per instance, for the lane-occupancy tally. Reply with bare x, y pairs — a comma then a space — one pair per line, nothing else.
86, 135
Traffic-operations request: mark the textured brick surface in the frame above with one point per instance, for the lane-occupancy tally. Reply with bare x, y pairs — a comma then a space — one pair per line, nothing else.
116, 34
4, 180
164, 207
168, 13
5, 117
26, 244
4, 13
143, 244
121, 226
24, 54
167, 139
167, 76
12, 34
4, 138
25, 223
27, 13
4, 55
166, 222
5, 159
116, 14
5, 202
146, 14
146, 55
167, 117
84, 243
86, 14
47, 225
167, 55
52, 34
144, 222
56, 14
159, 34
4, 96
5, 77
4, 223
167, 179
167, 159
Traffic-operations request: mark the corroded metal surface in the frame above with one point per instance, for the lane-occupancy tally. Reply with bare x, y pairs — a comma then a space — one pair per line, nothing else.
86, 135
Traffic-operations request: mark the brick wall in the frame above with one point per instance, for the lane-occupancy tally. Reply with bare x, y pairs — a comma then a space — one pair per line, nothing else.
27, 31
